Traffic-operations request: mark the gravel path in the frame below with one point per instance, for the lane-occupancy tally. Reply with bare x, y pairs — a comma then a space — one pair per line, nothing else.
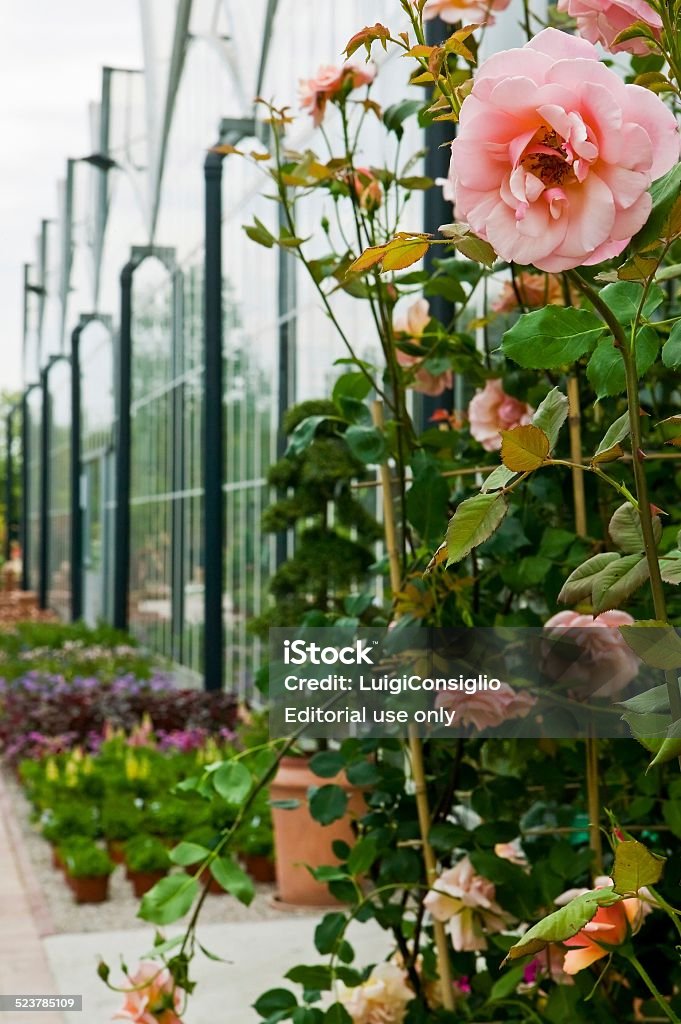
120, 911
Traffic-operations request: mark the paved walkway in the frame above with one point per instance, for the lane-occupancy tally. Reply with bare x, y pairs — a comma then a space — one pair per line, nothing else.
35, 961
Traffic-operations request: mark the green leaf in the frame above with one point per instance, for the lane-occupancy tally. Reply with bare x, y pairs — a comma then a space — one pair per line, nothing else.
649, 729
351, 385
395, 115
329, 931
474, 521
337, 1014
363, 855
317, 976
618, 581
366, 443
498, 479
276, 1000
653, 700
656, 643
671, 350
507, 983
188, 853
635, 867
665, 191
327, 763
624, 297
625, 529
169, 900
524, 449
527, 572
579, 584
426, 503
308, 1015
257, 232
232, 781
563, 923
551, 415
446, 287
303, 435
609, 447
328, 804
606, 366
670, 567
233, 878
670, 747
551, 337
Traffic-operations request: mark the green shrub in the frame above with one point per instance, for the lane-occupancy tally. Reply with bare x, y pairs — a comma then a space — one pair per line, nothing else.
146, 853
86, 860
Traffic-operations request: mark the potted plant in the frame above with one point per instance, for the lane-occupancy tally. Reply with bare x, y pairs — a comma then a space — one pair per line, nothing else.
120, 821
88, 868
147, 860
64, 822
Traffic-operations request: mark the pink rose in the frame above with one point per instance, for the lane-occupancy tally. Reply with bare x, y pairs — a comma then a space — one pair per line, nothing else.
555, 154
486, 709
329, 83
468, 902
381, 999
411, 325
470, 12
368, 189
601, 21
535, 291
491, 410
605, 652
154, 1000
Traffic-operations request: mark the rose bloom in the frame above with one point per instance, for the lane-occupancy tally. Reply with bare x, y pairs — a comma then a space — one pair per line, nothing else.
535, 290
368, 189
610, 926
468, 902
605, 657
412, 324
555, 154
491, 410
328, 83
512, 852
381, 999
486, 709
154, 1000
601, 21
470, 12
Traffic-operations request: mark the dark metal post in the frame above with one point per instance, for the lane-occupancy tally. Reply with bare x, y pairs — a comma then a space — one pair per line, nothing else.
25, 531
213, 429
436, 211
123, 440
44, 554
9, 484
76, 510
286, 301
178, 479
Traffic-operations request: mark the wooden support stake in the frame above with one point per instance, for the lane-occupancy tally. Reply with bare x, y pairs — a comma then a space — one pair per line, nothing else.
415, 744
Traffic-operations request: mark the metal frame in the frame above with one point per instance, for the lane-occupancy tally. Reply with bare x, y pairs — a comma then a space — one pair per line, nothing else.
45, 481
76, 463
123, 426
9, 478
25, 546
231, 130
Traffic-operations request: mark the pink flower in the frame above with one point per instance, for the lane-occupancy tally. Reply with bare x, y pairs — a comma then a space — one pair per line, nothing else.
468, 902
486, 709
154, 999
610, 926
535, 291
381, 999
555, 154
606, 655
470, 12
412, 326
512, 852
601, 21
329, 83
368, 189
491, 410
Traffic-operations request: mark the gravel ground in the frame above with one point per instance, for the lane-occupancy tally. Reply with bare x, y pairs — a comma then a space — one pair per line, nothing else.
120, 911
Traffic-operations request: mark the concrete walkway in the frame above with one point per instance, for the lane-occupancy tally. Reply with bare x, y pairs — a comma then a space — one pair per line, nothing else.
34, 960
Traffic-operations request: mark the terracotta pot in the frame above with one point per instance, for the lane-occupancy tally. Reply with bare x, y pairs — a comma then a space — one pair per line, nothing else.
115, 850
143, 881
259, 866
89, 890
299, 840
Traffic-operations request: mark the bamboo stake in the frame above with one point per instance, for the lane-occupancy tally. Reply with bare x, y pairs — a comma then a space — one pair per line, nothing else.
592, 787
415, 745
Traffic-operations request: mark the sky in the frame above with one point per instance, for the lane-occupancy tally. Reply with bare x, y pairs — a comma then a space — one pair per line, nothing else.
51, 55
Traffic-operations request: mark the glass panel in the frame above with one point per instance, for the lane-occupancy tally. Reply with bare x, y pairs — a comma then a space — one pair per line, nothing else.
59, 490
34, 410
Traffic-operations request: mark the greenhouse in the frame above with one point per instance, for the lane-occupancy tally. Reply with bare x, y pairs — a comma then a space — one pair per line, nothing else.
339, 653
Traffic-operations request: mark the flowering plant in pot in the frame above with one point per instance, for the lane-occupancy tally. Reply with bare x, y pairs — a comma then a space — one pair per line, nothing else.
147, 862
120, 820
88, 868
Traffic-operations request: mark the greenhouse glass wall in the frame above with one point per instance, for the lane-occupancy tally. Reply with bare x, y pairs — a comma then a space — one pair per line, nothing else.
161, 345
